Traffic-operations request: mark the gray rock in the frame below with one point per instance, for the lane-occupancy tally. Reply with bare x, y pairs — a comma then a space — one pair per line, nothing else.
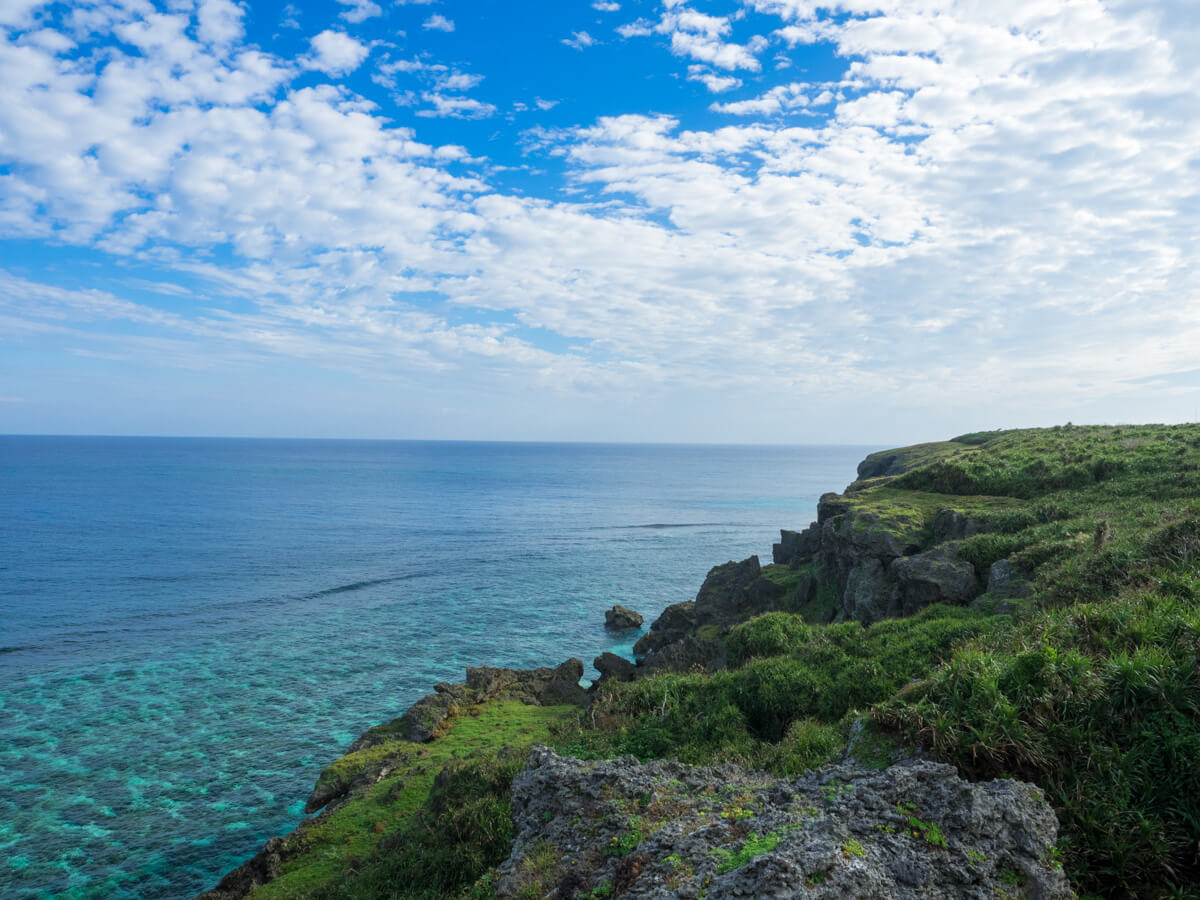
795, 547
952, 525
664, 829
870, 594
621, 618
936, 576
676, 622
614, 668
688, 654
1007, 580
264, 866
830, 506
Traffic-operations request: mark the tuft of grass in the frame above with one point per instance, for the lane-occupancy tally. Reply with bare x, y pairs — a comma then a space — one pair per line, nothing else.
754, 846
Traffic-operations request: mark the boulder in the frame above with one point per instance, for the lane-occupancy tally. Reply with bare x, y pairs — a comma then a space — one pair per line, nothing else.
935, 576
614, 668
688, 654
676, 622
870, 594
667, 830
620, 618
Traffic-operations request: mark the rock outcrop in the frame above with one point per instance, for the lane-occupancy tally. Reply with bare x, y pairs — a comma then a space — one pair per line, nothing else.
537, 687
883, 564
621, 618
682, 638
663, 829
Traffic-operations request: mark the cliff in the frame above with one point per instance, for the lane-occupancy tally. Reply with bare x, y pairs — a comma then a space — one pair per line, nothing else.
1007, 605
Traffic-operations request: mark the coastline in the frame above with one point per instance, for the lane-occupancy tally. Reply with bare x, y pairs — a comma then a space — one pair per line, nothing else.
956, 625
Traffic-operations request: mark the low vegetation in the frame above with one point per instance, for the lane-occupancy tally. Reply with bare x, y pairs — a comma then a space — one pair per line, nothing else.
433, 824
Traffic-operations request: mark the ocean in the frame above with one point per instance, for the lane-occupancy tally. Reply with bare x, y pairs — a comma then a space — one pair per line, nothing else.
191, 628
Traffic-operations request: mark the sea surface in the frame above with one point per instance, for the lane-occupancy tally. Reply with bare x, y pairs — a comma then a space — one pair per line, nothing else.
191, 628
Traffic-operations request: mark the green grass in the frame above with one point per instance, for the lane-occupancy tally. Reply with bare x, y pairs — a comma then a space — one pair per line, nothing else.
783, 708
753, 846
355, 830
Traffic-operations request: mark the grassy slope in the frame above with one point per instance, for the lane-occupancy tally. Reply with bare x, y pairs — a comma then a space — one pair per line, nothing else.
1091, 690
347, 839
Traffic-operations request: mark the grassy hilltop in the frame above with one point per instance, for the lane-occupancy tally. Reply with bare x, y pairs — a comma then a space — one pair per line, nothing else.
1085, 681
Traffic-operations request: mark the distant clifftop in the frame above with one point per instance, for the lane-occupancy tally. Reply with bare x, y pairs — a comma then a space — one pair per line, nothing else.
1020, 603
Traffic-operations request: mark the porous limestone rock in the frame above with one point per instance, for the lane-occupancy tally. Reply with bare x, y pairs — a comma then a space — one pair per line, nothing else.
664, 829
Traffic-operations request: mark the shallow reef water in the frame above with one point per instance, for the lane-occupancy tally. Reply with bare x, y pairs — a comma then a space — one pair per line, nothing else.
190, 629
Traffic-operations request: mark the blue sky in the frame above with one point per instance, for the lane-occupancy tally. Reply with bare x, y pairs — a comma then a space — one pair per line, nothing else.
692, 220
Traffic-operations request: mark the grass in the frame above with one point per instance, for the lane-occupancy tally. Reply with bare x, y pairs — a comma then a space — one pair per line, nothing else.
471, 749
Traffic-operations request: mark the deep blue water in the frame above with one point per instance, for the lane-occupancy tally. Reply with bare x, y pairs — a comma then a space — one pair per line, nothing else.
190, 628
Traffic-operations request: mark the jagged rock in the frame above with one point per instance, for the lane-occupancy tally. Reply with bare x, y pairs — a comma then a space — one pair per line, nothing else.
622, 618
264, 866
831, 505
795, 547
952, 525
870, 594
733, 590
685, 655
731, 593
936, 576
664, 829
614, 668
676, 622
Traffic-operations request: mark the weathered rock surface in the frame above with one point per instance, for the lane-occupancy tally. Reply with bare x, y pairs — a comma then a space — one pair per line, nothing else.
952, 525
664, 829
731, 593
795, 546
936, 576
621, 618
616, 668
882, 567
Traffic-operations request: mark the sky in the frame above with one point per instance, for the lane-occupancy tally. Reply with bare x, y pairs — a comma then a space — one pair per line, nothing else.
742, 221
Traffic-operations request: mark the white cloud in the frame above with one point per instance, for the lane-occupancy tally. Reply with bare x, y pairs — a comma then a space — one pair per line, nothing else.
219, 21
438, 22
716, 84
640, 28
780, 99
579, 40
458, 81
336, 53
455, 107
703, 38
605, 5
360, 10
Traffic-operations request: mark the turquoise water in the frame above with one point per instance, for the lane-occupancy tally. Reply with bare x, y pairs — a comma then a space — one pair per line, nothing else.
190, 629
